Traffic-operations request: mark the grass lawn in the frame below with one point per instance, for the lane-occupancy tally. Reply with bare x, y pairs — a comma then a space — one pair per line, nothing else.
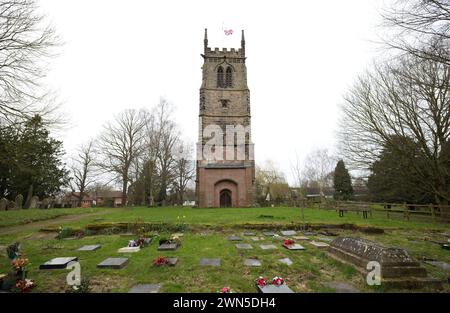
206, 237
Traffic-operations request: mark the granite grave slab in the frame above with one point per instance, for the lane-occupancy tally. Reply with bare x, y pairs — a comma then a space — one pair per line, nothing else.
234, 238
57, 263
114, 263
288, 232
275, 289
294, 246
210, 262
168, 247
145, 288
129, 250
90, 248
252, 262
244, 246
268, 247
286, 261
319, 244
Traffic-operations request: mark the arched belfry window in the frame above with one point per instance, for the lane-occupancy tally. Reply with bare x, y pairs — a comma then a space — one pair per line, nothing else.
229, 77
220, 81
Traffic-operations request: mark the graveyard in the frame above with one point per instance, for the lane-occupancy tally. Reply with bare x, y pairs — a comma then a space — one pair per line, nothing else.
175, 249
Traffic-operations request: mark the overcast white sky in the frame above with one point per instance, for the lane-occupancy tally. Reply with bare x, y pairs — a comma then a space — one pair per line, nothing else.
301, 58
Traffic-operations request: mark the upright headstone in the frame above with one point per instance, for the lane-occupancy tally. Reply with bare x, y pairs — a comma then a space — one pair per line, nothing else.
11, 206
19, 201
45, 203
3, 204
34, 202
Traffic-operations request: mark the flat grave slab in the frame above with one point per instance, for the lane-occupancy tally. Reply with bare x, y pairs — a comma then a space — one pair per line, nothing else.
244, 246
249, 233
114, 263
442, 265
210, 262
269, 233
288, 232
341, 287
319, 244
57, 263
90, 248
286, 261
252, 262
268, 247
309, 233
295, 246
178, 235
129, 250
325, 239
145, 288
168, 247
255, 238
301, 238
275, 289
234, 238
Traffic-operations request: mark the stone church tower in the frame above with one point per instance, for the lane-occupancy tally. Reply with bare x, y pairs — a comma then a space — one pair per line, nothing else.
225, 162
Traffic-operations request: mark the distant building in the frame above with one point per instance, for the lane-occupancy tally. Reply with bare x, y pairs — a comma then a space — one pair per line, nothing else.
92, 199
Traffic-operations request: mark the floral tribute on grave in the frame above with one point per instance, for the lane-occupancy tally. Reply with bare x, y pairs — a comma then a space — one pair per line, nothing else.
160, 261
226, 290
140, 242
289, 242
16, 280
276, 281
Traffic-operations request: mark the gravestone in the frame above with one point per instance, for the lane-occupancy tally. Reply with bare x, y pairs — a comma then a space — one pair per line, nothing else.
172, 261
210, 262
286, 261
309, 233
268, 247
256, 238
129, 250
234, 238
301, 237
275, 289
45, 203
34, 202
319, 244
178, 235
168, 247
3, 204
398, 268
19, 201
252, 262
288, 232
248, 233
294, 246
244, 246
57, 263
269, 233
90, 248
341, 287
325, 239
145, 288
440, 264
11, 206
114, 263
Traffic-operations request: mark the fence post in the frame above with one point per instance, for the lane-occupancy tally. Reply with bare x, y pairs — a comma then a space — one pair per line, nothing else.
406, 212
387, 210
433, 214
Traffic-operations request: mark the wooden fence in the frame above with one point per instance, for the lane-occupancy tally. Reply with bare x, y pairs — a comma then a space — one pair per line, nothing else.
407, 211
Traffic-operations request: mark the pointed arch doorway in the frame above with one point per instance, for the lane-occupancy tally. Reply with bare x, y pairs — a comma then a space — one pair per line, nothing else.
225, 199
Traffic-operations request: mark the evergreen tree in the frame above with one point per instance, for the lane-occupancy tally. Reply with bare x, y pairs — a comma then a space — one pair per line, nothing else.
342, 182
33, 164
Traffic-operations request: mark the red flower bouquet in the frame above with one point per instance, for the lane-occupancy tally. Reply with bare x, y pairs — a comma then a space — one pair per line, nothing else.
289, 242
161, 260
25, 285
277, 281
261, 282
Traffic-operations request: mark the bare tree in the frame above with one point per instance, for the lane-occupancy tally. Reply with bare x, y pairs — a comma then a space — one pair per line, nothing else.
297, 172
25, 44
406, 100
83, 171
184, 169
420, 28
166, 140
319, 165
120, 144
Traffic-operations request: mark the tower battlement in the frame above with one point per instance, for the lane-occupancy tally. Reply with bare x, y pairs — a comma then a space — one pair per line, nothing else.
224, 52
